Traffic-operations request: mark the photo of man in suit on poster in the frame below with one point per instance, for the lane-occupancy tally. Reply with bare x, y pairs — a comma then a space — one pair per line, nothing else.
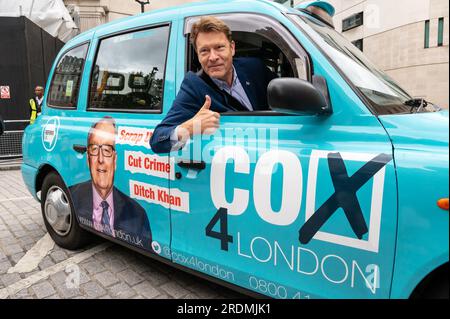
98, 203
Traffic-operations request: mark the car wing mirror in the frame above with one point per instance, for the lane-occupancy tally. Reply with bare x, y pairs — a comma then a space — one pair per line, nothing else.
299, 97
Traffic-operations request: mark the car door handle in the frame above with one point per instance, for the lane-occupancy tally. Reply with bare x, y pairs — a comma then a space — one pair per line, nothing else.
80, 148
199, 165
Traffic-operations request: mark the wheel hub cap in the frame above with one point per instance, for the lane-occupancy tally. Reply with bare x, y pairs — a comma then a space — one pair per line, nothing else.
57, 211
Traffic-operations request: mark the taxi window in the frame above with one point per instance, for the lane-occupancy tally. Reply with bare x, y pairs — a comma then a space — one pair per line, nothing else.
128, 72
65, 84
261, 37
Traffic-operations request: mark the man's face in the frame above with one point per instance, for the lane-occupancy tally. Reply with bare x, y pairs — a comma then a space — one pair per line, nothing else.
102, 167
215, 54
39, 91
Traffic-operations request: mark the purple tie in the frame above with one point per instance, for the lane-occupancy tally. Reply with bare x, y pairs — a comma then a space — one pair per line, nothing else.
105, 218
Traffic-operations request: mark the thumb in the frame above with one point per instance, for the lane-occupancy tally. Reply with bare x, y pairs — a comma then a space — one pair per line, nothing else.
207, 104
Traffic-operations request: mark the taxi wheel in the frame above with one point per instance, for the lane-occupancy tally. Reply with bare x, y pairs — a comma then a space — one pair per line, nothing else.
434, 286
58, 213
438, 286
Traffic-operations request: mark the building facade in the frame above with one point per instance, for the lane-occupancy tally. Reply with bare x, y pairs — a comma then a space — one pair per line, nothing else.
407, 39
90, 13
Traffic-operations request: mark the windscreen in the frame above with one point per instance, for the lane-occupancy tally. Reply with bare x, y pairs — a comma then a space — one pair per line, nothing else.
382, 93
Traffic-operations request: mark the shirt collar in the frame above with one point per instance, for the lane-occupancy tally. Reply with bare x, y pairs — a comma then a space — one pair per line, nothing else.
223, 85
97, 199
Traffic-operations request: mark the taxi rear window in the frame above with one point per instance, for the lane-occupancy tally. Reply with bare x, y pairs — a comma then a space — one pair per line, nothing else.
128, 73
65, 84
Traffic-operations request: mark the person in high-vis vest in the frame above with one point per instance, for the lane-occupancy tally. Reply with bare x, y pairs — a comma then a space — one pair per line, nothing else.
36, 103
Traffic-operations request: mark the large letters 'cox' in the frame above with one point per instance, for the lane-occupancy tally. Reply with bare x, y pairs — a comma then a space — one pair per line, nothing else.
343, 197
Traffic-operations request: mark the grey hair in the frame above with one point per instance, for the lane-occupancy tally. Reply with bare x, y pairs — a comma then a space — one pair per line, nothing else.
105, 119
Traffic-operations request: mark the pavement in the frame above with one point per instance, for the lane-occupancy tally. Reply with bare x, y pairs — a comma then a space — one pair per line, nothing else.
10, 163
33, 267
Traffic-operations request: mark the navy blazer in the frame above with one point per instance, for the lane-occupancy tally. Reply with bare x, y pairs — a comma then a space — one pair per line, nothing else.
254, 77
129, 216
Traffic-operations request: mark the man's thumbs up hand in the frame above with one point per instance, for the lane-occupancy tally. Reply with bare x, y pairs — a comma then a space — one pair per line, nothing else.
204, 122
207, 104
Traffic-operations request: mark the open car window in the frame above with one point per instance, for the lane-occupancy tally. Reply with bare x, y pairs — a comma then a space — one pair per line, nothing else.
260, 37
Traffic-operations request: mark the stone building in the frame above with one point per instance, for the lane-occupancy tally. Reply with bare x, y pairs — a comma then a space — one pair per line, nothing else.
90, 13
408, 39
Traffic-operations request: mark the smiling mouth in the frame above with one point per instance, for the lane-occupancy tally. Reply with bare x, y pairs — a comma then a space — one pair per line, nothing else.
101, 170
214, 67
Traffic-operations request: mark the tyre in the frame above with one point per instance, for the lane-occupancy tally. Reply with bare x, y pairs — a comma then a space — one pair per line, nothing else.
434, 286
58, 213
438, 288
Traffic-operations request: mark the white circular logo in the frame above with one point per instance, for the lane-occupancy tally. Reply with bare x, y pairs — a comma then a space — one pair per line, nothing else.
156, 247
50, 133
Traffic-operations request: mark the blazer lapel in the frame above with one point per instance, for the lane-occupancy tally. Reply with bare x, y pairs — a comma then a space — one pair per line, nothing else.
248, 86
118, 208
89, 199
82, 196
230, 102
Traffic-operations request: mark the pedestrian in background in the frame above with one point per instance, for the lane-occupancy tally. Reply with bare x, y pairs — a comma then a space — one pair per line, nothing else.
36, 103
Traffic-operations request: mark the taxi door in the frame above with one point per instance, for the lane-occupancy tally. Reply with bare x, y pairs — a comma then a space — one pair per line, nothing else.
127, 82
289, 206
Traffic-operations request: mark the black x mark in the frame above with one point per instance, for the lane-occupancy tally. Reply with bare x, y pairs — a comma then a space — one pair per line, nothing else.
344, 196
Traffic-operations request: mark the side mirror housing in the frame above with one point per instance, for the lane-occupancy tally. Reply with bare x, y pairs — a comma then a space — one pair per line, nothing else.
296, 96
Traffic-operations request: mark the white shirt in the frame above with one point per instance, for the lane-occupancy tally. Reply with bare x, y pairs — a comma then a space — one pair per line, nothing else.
39, 102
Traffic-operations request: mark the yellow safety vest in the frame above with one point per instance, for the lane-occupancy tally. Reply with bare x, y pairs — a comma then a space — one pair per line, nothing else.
33, 111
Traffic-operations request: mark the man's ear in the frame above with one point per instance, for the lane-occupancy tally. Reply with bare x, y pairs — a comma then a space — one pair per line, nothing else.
233, 47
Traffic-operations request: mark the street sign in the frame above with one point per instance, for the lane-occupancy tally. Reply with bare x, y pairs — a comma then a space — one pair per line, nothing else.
4, 92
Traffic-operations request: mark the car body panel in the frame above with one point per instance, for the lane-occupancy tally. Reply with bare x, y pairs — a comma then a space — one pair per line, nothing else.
309, 153
263, 254
421, 156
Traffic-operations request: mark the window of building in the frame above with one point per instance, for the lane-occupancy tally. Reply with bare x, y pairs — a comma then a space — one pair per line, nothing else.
66, 80
427, 34
440, 32
359, 44
287, 3
128, 72
353, 21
